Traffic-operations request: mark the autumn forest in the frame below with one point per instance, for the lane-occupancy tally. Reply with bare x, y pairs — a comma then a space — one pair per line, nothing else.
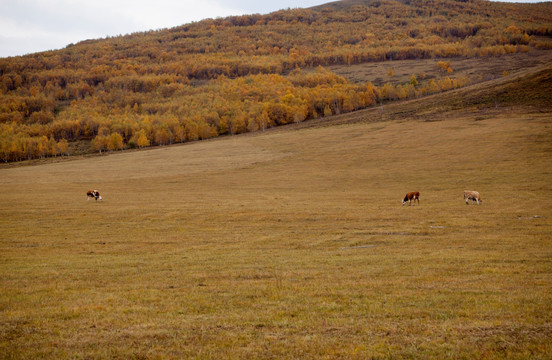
247, 73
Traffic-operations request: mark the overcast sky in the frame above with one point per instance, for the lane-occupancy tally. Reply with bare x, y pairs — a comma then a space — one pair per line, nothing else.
28, 26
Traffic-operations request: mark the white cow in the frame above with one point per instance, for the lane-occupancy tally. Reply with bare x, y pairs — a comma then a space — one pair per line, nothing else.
473, 196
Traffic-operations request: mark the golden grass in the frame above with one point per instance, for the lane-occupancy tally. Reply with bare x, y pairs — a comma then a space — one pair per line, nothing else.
289, 244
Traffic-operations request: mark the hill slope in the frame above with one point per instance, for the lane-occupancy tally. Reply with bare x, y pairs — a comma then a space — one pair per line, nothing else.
512, 93
247, 73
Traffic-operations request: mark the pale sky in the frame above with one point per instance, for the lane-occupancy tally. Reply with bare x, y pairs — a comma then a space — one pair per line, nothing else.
29, 26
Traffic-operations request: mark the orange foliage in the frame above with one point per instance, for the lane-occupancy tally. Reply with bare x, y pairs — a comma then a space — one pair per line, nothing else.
242, 73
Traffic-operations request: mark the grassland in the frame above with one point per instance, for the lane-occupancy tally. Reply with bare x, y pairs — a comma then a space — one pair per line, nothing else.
293, 243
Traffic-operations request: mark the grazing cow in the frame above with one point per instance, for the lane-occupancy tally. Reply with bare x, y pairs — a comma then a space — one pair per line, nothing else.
411, 196
473, 196
93, 194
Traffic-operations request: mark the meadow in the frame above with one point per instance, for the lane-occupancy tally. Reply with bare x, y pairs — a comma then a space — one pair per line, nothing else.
292, 243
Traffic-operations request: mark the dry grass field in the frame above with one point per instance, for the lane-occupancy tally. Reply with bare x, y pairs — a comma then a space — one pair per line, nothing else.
293, 243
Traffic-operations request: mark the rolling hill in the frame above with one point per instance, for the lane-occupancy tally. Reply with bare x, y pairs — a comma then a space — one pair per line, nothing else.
248, 73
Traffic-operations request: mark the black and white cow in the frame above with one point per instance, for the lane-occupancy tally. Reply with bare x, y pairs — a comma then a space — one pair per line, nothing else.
93, 194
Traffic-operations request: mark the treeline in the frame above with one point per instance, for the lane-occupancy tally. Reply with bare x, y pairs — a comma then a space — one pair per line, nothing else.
222, 106
172, 85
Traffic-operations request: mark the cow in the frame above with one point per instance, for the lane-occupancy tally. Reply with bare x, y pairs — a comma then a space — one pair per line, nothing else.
410, 197
473, 196
93, 194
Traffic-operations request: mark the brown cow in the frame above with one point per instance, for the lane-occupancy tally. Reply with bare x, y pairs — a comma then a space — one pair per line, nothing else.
473, 196
411, 196
93, 194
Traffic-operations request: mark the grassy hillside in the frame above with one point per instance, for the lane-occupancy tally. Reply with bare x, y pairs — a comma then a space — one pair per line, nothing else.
247, 73
293, 243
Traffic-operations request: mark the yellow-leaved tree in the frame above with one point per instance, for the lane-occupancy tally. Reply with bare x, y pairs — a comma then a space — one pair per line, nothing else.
140, 139
115, 142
